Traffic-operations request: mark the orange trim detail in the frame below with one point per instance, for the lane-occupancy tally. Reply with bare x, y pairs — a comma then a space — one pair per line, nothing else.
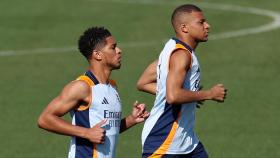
113, 83
156, 155
94, 151
180, 46
90, 83
83, 107
86, 79
166, 144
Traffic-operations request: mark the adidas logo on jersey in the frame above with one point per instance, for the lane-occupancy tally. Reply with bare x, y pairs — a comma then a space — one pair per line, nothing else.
105, 101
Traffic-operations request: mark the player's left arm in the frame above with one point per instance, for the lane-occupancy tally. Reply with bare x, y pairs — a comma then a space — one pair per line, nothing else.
147, 81
138, 115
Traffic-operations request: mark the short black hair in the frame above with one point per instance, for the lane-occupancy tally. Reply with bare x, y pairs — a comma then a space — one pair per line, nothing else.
92, 38
185, 8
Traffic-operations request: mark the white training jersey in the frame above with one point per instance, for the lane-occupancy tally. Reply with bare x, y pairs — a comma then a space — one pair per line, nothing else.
105, 104
170, 128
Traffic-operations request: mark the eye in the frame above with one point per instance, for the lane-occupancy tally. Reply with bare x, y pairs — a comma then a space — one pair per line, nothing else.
202, 21
114, 46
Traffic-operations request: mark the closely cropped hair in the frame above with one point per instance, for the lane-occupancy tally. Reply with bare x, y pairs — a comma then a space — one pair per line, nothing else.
186, 8
92, 38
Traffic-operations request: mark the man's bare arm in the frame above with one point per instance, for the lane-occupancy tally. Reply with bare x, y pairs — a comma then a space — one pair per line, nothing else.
179, 64
147, 81
51, 118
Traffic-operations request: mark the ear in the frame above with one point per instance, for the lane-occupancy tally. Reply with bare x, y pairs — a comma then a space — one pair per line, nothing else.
96, 54
184, 28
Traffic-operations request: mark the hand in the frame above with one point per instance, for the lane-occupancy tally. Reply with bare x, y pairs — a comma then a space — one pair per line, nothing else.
139, 113
96, 134
218, 93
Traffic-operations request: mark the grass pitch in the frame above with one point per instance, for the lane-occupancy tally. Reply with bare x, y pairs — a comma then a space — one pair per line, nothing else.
38, 57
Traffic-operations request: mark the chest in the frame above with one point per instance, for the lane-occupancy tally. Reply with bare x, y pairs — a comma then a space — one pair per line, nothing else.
105, 99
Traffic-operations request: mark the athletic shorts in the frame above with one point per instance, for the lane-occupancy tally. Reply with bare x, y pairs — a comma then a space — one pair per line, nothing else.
198, 152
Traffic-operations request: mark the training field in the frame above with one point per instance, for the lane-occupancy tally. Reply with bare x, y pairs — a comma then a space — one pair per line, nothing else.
38, 56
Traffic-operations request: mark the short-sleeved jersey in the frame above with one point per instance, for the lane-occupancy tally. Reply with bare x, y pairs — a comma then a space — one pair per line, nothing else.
105, 104
170, 128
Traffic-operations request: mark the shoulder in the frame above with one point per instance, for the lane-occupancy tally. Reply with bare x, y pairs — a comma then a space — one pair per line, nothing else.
180, 58
181, 54
79, 84
85, 79
76, 89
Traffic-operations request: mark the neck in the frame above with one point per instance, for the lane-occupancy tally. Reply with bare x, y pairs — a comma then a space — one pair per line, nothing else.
102, 74
189, 41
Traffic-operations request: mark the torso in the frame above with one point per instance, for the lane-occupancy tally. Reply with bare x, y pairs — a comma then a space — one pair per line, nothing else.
169, 128
104, 103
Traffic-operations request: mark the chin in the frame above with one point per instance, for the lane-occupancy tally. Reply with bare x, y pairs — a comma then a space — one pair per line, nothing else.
203, 40
117, 67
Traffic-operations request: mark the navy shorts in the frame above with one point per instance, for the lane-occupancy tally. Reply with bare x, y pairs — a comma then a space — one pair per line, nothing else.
198, 152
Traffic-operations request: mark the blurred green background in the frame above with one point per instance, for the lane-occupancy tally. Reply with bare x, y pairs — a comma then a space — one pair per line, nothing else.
38, 56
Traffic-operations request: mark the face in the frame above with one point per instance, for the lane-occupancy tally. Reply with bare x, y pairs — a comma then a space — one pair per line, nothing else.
198, 28
111, 53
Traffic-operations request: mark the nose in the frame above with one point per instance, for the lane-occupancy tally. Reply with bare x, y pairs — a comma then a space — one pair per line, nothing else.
119, 51
207, 25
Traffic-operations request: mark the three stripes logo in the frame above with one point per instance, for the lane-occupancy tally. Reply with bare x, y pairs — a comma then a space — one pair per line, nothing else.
105, 101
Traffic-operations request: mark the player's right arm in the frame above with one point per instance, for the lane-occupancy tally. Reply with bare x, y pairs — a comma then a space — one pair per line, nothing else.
70, 97
147, 81
179, 64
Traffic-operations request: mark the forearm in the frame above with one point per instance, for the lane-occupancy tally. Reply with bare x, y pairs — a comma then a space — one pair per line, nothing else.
149, 88
58, 125
184, 96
